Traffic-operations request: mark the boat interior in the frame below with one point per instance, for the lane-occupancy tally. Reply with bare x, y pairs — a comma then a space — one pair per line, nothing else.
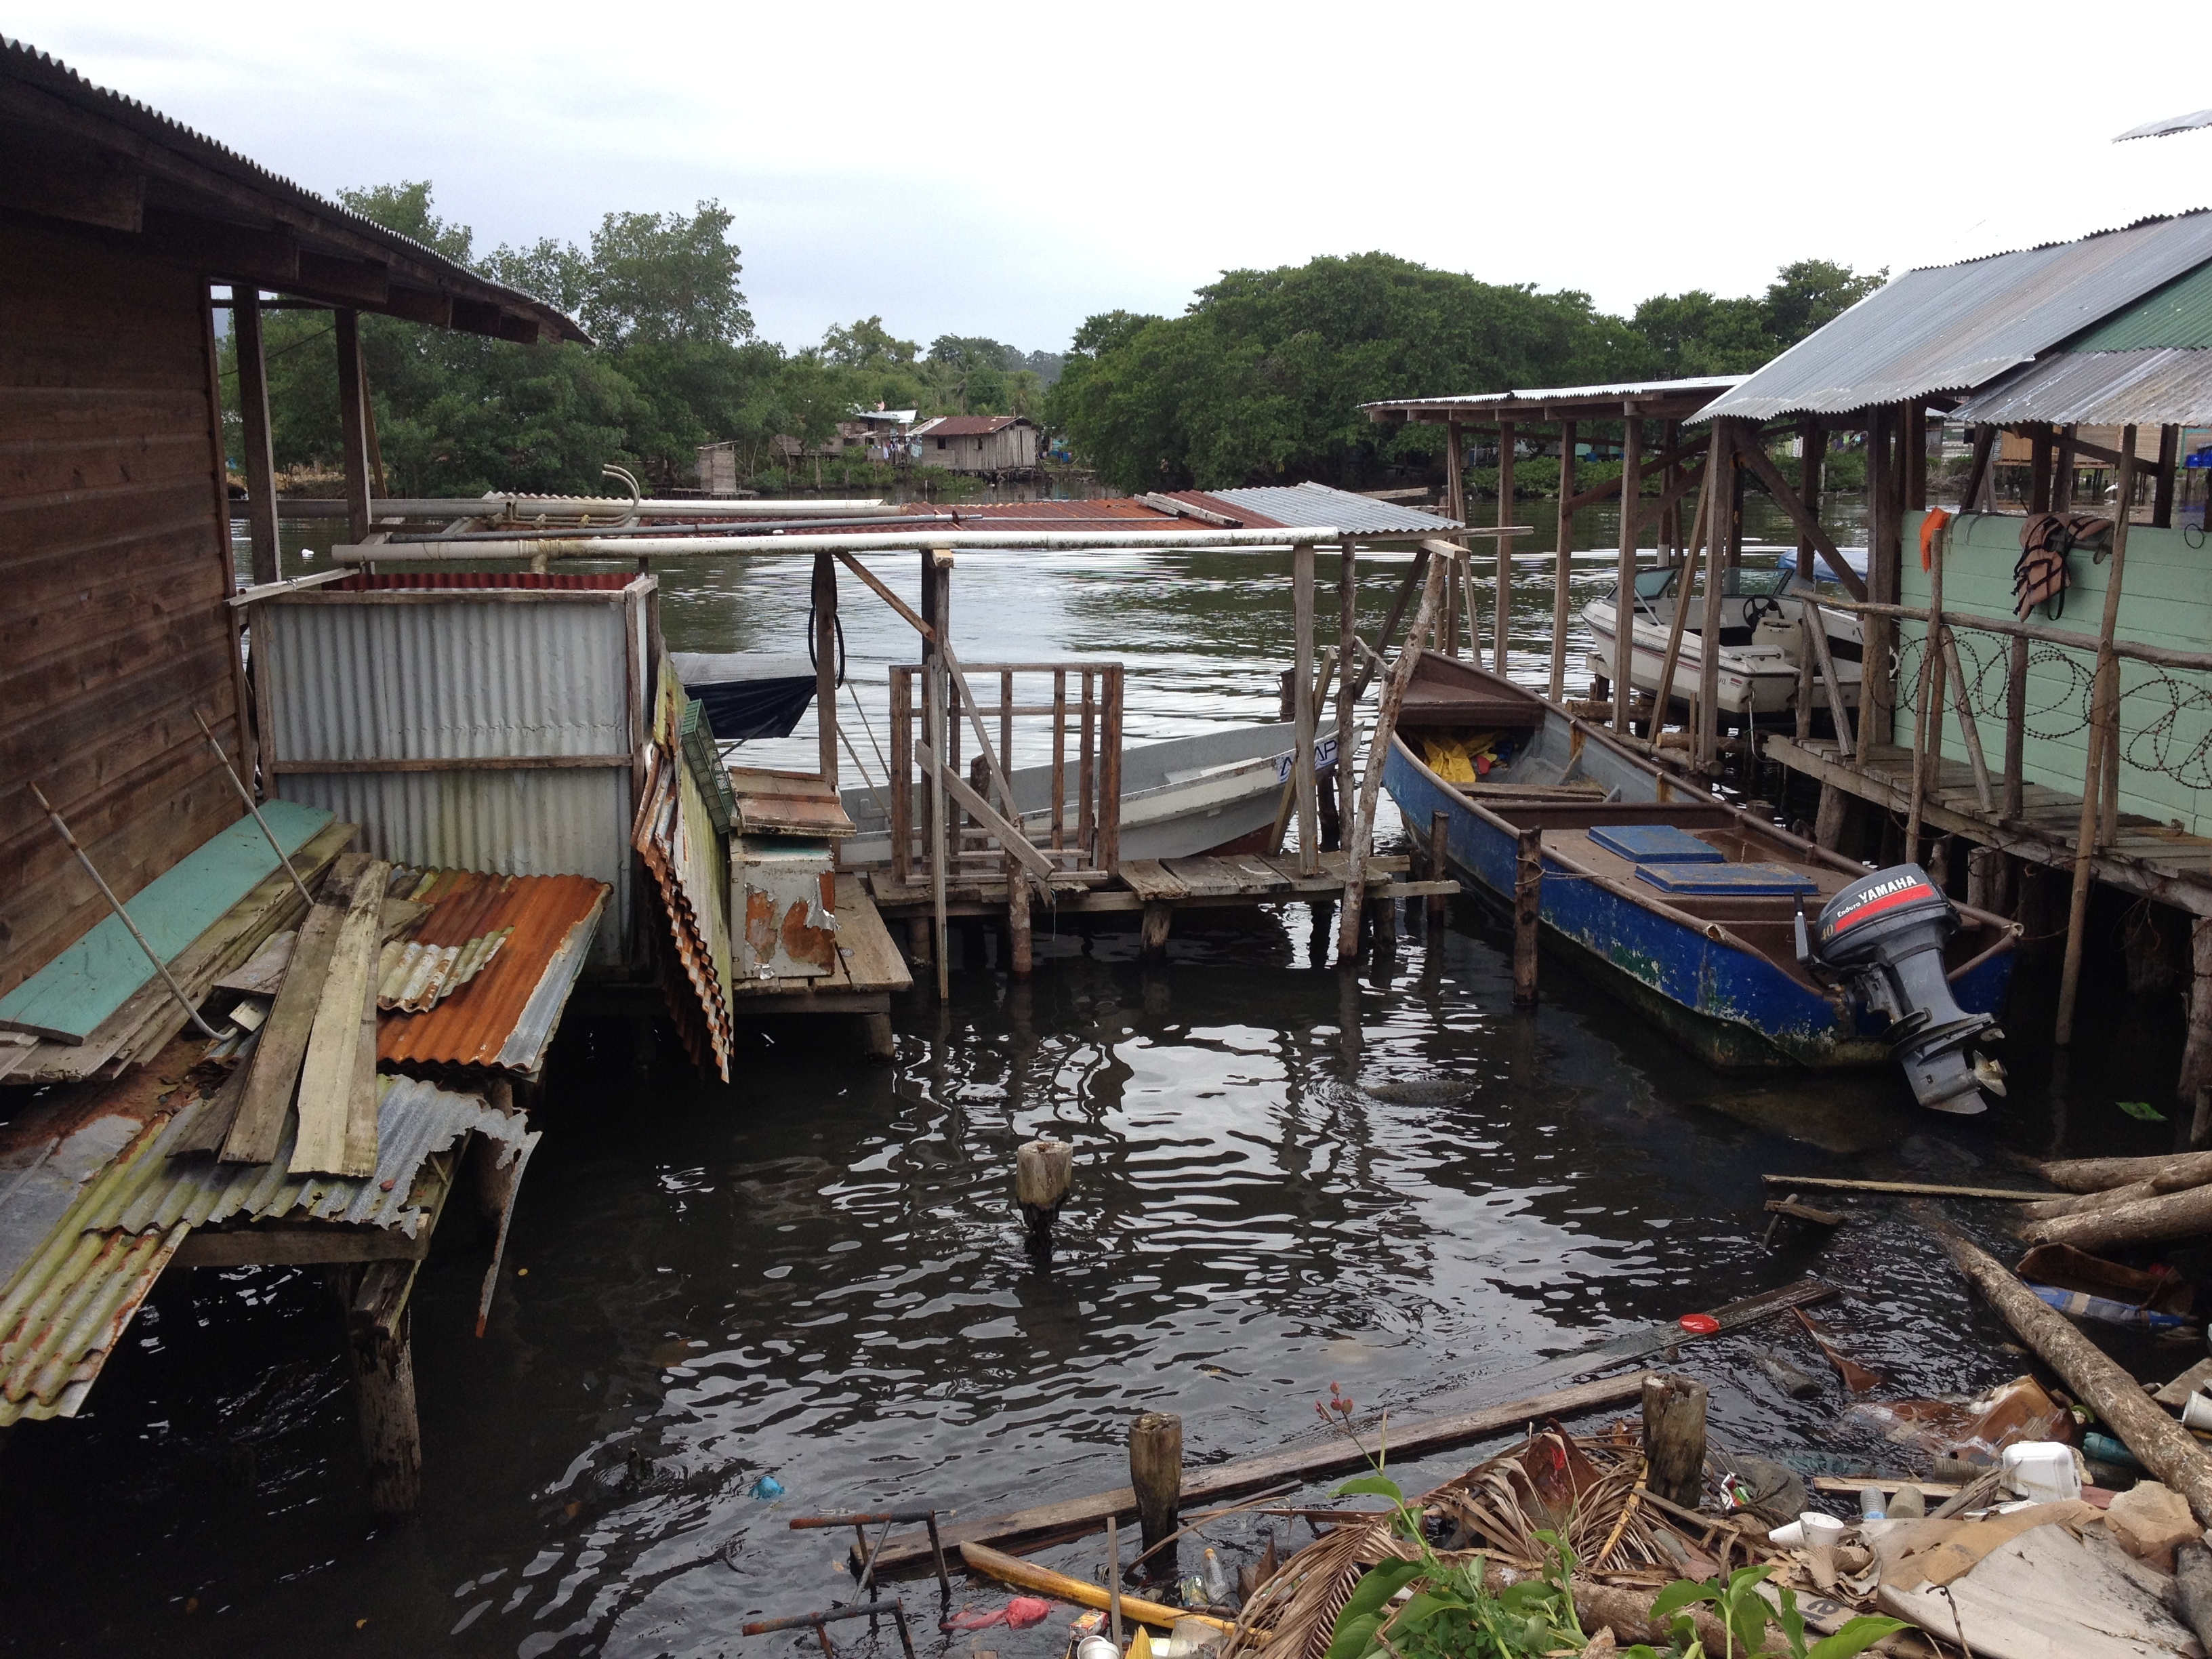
1758, 607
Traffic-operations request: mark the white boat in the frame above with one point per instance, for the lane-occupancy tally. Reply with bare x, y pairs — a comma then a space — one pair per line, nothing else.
1184, 797
1758, 644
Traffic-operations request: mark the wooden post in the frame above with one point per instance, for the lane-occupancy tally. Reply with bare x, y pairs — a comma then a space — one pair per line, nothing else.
1828, 818
381, 1354
1527, 914
1664, 696
2104, 733
1156, 1474
2196, 1056
1927, 722
1439, 862
1745, 435
1021, 957
1565, 559
1805, 670
1720, 491
2039, 468
1812, 459
1044, 1172
259, 458
1916, 457
2015, 751
1152, 930
1624, 593
1674, 1438
2169, 463
353, 431
1347, 697
1505, 441
1301, 764
1962, 704
2062, 483
902, 778
1983, 864
825, 666
1454, 473
1447, 627
937, 583
1877, 698
1109, 768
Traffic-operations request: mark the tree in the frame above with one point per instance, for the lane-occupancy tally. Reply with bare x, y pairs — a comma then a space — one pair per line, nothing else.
1811, 293
662, 276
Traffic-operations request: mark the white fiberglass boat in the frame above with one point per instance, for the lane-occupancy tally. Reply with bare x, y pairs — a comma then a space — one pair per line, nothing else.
1758, 646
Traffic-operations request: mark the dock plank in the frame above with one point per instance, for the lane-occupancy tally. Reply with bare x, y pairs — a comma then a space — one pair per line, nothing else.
1204, 877
260, 1123
1152, 881
330, 1075
875, 963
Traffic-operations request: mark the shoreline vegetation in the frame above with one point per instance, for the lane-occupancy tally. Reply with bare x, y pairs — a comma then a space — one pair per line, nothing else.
1259, 381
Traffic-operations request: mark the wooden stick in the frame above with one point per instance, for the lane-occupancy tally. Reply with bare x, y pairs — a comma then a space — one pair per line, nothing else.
1624, 592
1720, 476
1809, 526
1663, 698
1362, 833
1027, 1575
1505, 441
1415, 575
872, 580
1962, 705
1562, 562
1926, 711
2104, 723
1830, 1183
2167, 1449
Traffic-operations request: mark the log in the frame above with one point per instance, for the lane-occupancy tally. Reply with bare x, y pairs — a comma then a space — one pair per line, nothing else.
1156, 1474
2146, 1221
2150, 1187
2096, 1174
2196, 1056
2164, 1447
1674, 1438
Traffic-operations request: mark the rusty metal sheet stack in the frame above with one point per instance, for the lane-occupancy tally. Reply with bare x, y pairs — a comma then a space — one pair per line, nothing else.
493, 963
682, 854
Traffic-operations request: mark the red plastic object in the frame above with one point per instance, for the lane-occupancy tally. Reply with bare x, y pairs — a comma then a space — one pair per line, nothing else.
1698, 1324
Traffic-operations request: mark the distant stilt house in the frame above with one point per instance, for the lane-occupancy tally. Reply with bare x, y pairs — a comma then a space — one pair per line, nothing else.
979, 443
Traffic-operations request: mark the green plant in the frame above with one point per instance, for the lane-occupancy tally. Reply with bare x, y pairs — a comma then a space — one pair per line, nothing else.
1743, 1613
1452, 1612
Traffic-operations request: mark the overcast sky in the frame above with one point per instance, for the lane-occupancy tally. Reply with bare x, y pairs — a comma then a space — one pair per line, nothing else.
1009, 170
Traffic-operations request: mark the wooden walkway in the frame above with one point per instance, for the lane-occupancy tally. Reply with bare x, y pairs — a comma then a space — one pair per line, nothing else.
2147, 857
1216, 880
869, 967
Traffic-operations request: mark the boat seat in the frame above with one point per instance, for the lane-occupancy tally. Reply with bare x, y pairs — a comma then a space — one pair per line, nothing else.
1656, 843
1732, 880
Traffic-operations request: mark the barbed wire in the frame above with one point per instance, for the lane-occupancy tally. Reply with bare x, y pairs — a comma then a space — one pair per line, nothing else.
2158, 709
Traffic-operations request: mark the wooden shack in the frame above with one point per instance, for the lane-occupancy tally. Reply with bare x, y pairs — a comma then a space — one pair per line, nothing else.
993, 444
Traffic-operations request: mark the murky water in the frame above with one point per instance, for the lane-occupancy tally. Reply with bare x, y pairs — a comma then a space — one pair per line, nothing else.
817, 1276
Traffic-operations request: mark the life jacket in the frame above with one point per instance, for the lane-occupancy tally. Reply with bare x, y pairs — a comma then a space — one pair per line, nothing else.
2040, 575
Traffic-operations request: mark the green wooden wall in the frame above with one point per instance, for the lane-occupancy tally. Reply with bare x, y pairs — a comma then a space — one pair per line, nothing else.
2165, 716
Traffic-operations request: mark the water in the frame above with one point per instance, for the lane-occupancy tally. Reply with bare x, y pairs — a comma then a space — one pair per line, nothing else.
817, 1274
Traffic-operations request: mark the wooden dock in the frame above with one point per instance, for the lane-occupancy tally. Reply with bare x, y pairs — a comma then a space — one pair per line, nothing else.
868, 969
2147, 857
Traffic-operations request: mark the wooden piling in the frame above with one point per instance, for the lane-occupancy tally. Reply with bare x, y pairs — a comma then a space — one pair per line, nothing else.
1152, 931
1439, 863
1301, 615
2103, 734
1527, 914
1505, 441
1719, 469
1156, 1474
1348, 688
2197, 1055
353, 423
1624, 593
1674, 1438
1562, 564
381, 1351
1828, 820
1044, 1171
877, 1042
259, 456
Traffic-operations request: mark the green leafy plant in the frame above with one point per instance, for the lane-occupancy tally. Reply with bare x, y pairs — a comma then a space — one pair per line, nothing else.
2143, 1110
1744, 1614
1451, 1614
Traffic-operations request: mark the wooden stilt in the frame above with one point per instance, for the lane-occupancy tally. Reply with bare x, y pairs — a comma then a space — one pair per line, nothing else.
1983, 866
1156, 1474
2169, 463
1674, 1438
1828, 819
352, 432
2104, 733
1347, 697
1439, 862
1454, 473
1360, 834
1562, 564
877, 1042
1624, 593
1152, 931
1505, 442
2196, 1056
1302, 773
825, 666
382, 1357
1719, 488
259, 457
1527, 914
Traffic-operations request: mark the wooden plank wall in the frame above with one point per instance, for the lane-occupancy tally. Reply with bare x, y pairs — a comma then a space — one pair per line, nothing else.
114, 563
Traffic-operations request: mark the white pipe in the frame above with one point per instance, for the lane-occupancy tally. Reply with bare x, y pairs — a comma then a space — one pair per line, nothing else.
890, 537
609, 509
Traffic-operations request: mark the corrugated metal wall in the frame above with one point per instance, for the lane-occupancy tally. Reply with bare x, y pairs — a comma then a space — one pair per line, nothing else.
448, 677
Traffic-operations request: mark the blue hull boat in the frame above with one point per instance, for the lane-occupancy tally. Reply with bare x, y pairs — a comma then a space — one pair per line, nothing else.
1683, 904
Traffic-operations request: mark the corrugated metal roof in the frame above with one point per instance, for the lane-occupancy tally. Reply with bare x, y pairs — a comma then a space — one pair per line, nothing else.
1265, 507
2178, 314
67, 1306
966, 426
504, 1018
22, 62
2203, 118
1953, 328
414, 1118
1485, 402
2164, 387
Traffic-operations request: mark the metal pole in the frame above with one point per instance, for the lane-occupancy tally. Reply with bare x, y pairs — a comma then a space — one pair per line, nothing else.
123, 916
247, 795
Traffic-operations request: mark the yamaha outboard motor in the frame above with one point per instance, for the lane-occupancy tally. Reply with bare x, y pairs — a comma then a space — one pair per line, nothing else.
1883, 938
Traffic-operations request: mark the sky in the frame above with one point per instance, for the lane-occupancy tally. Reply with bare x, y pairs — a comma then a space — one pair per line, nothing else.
1009, 171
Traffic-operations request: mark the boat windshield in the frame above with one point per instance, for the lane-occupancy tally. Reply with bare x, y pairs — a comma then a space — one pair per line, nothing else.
1735, 584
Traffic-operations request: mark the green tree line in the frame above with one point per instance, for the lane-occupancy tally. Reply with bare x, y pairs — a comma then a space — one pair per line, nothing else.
676, 363
1260, 379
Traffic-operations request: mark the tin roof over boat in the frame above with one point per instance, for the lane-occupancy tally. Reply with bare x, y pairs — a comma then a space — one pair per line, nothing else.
2147, 364
1660, 399
1955, 328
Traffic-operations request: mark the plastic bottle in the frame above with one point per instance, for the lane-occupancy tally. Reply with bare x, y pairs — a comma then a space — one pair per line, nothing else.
1872, 1506
1218, 1590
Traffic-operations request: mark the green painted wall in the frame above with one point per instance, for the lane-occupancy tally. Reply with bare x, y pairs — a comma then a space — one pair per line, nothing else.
2165, 716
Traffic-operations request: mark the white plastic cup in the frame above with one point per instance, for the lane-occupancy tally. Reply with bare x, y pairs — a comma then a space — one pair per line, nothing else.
1096, 1647
1821, 1530
2197, 1412
1788, 1536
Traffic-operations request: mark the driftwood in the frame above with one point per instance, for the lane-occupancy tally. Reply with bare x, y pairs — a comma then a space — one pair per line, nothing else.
2167, 1449
2146, 1221
2096, 1174
2170, 1181
1914, 1189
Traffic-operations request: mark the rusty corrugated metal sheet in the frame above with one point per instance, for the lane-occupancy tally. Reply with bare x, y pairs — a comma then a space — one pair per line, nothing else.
504, 1018
2168, 387
691, 891
1954, 328
771, 803
61, 1320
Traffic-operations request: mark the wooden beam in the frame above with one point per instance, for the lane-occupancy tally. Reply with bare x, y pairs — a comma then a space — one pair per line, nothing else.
1301, 764
985, 814
1564, 551
353, 431
349, 281
1505, 442
1979, 472
1454, 474
2169, 463
1415, 576
1360, 833
876, 585
58, 183
1809, 526
1719, 493
1624, 593
259, 1124
268, 256
329, 1073
259, 458
825, 622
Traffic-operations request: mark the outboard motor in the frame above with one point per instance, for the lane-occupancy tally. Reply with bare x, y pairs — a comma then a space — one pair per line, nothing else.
1883, 938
